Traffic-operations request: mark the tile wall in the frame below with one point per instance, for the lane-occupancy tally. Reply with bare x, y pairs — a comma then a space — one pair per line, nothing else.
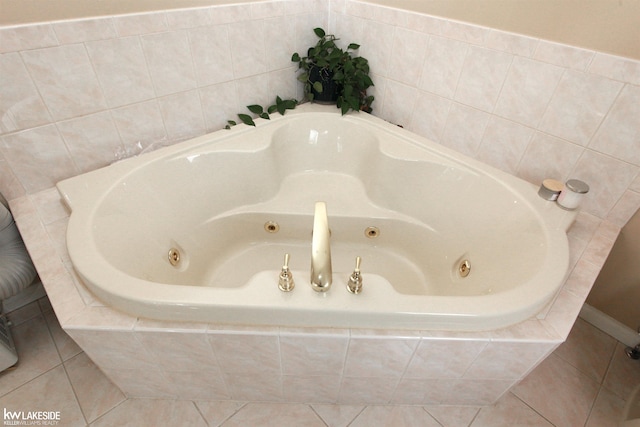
531, 107
77, 95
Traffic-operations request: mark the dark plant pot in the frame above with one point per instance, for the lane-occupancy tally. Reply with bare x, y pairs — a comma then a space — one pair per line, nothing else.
330, 89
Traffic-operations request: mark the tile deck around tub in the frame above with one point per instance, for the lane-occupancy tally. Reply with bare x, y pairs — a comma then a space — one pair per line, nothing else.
589, 373
42, 219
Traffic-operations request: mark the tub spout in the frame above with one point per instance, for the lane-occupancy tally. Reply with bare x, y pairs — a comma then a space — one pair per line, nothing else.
321, 274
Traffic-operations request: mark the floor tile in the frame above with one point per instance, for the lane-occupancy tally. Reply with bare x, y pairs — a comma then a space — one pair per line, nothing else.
606, 411
558, 392
338, 415
274, 415
96, 394
24, 314
215, 413
507, 412
36, 354
67, 347
588, 349
152, 412
394, 416
453, 416
48, 392
623, 374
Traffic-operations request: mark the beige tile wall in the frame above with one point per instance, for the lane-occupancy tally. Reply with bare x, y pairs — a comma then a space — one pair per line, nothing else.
76, 95
528, 106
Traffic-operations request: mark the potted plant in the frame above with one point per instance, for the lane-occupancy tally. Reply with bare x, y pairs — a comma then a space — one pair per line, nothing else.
331, 74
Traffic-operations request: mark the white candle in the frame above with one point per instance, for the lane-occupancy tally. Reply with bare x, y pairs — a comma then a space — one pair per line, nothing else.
572, 194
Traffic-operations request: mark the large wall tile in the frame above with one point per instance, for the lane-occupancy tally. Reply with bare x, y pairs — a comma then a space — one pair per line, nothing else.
376, 45
122, 70
619, 135
442, 359
20, 104
66, 80
182, 115
408, 54
482, 77
130, 25
169, 61
548, 157
578, 106
189, 18
563, 56
93, 140
211, 54
28, 37
527, 91
608, 179
504, 143
247, 354
430, 116
378, 357
218, 105
84, 30
140, 124
442, 66
279, 56
311, 356
247, 45
39, 157
464, 129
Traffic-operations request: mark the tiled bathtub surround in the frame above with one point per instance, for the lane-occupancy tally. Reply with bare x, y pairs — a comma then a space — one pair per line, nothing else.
80, 92
75, 95
530, 107
148, 358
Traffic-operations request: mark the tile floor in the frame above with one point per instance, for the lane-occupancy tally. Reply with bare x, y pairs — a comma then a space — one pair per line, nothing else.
583, 383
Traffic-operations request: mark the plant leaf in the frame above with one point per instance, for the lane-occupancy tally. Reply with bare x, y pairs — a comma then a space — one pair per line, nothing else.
319, 32
344, 108
272, 109
317, 86
295, 57
255, 109
246, 119
353, 46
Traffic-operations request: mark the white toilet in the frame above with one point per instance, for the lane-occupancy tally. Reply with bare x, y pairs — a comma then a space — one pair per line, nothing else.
631, 413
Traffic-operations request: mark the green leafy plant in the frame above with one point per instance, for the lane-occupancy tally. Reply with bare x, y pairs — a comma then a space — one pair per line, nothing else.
281, 106
349, 72
336, 67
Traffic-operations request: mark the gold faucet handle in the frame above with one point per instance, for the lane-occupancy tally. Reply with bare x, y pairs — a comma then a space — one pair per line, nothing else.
354, 284
285, 281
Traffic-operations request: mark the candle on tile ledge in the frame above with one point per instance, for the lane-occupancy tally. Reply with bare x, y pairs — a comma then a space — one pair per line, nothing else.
572, 194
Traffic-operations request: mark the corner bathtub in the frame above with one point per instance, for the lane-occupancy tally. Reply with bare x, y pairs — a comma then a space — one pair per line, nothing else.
231, 204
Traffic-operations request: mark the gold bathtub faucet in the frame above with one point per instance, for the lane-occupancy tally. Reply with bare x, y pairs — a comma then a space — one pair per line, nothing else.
321, 273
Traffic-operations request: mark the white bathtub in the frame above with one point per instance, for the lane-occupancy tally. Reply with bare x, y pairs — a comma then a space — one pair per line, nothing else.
210, 198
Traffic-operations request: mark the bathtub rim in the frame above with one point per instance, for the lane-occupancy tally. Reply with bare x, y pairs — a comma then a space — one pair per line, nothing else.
133, 301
